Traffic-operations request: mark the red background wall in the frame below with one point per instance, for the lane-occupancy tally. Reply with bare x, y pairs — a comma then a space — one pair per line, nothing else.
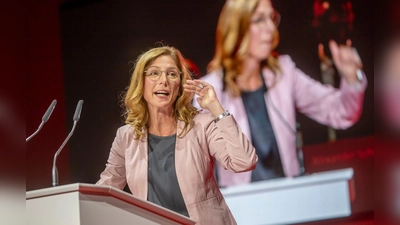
45, 82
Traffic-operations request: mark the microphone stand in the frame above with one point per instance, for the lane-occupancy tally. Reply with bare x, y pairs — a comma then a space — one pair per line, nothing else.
37, 131
299, 149
54, 170
76, 119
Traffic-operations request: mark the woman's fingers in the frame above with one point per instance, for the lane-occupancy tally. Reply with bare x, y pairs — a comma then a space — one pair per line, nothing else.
196, 86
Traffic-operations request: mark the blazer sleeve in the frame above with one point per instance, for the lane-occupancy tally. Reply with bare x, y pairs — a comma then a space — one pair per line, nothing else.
339, 108
114, 173
230, 146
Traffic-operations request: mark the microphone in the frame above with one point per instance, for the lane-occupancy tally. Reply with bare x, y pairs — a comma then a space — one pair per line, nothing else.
299, 138
76, 118
299, 148
45, 117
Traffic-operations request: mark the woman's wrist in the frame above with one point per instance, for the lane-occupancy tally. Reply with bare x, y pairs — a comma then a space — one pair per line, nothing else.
356, 78
215, 108
221, 116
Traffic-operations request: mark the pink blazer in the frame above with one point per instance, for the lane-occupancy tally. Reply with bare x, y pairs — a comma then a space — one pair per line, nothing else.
194, 162
293, 90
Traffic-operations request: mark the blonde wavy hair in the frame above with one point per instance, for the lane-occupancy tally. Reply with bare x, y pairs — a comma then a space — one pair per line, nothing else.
232, 42
135, 106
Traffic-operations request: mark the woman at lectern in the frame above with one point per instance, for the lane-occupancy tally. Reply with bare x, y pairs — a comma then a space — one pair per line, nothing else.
166, 150
265, 89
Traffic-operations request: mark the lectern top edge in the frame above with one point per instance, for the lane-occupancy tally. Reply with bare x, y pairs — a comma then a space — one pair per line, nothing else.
104, 190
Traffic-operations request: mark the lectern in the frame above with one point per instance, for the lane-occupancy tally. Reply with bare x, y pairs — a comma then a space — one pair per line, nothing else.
319, 196
89, 204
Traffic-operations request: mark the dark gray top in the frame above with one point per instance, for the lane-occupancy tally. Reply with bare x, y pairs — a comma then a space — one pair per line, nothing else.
269, 163
163, 187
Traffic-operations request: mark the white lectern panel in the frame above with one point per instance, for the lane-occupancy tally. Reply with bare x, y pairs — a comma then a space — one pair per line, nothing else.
312, 197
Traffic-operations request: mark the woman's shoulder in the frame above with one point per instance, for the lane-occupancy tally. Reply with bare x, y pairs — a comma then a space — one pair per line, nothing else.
215, 74
125, 128
287, 66
214, 77
126, 131
286, 61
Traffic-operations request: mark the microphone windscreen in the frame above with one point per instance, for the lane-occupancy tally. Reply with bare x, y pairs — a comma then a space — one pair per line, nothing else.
47, 115
78, 110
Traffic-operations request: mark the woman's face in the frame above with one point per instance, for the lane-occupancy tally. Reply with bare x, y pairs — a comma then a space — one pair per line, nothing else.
161, 84
262, 27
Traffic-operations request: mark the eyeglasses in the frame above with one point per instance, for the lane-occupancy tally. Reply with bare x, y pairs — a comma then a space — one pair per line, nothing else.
262, 20
155, 74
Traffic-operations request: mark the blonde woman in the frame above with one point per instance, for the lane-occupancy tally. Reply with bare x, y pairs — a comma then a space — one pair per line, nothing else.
166, 150
263, 90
